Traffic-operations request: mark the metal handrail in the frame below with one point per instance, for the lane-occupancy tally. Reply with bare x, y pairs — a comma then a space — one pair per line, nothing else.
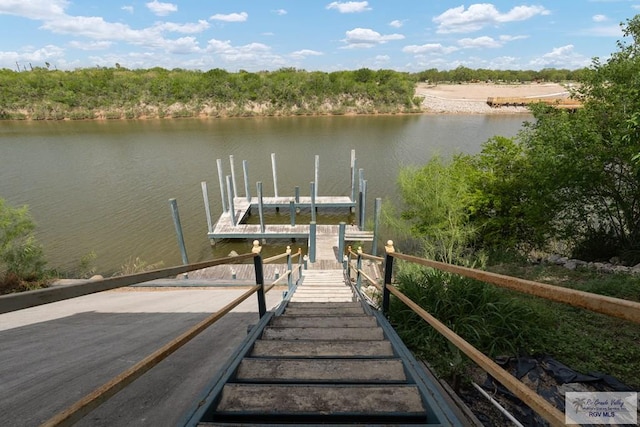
616, 307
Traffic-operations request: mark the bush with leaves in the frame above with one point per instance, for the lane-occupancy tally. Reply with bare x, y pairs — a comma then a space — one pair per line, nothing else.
21, 257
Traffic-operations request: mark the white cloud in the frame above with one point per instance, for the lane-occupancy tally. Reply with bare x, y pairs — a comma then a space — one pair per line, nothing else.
429, 48
604, 31
561, 57
127, 9
36, 57
280, 12
34, 9
349, 6
161, 9
252, 55
396, 23
478, 16
98, 45
231, 17
599, 18
301, 54
367, 38
190, 28
479, 42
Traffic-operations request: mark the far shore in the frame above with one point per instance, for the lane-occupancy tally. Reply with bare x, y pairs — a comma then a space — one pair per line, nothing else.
465, 98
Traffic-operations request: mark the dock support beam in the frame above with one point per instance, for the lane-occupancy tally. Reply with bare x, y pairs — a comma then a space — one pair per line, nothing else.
233, 174
315, 175
207, 209
245, 171
312, 242
260, 206
376, 225
342, 227
353, 175
232, 208
178, 225
275, 175
313, 202
221, 180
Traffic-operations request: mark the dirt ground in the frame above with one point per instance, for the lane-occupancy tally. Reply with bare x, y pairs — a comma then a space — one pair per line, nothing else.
472, 97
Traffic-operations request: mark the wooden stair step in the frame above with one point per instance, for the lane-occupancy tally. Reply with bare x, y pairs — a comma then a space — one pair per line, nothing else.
325, 334
324, 305
319, 348
322, 311
324, 321
325, 401
321, 370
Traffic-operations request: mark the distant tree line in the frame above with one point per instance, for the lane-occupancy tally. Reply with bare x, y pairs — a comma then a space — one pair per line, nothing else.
44, 93
465, 75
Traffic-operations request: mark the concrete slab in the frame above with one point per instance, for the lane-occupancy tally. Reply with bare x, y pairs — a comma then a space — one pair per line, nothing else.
54, 354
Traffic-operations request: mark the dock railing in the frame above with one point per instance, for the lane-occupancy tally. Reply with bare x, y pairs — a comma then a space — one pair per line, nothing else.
615, 307
75, 412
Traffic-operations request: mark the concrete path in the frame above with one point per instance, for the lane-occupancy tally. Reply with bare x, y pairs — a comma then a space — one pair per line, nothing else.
52, 355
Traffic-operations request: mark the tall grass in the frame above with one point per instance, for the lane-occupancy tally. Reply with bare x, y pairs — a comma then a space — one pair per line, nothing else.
489, 318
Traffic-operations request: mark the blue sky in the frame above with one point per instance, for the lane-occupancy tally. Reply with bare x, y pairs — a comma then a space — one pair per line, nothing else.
404, 35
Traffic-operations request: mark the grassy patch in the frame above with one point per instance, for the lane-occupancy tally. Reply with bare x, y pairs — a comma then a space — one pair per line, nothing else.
502, 322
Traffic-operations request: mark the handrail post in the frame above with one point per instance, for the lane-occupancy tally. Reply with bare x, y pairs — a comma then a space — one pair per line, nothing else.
299, 265
359, 270
257, 263
290, 268
388, 274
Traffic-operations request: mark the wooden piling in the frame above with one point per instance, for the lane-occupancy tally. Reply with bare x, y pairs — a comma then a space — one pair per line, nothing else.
260, 205
245, 171
232, 209
233, 174
207, 209
178, 226
275, 176
377, 213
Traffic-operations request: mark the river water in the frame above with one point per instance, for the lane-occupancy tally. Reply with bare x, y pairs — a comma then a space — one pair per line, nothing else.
104, 186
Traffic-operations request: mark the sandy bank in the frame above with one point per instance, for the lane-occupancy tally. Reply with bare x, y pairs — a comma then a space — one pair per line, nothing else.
471, 98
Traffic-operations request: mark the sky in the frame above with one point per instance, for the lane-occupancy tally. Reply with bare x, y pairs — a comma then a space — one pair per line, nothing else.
255, 35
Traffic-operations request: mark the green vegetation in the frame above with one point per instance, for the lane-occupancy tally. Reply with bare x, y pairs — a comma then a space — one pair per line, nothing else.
571, 179
115, 93
118, 92
22, 262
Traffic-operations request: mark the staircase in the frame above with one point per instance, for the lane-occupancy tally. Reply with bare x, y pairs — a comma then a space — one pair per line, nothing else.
326, 359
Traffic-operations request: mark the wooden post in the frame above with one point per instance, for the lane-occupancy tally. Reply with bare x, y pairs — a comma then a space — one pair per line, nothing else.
312, 242
297, 194
388, 275
233, 174
292, 212
376, 225
275, 176
232, 209
207, 209
313, 202
359, 268
342, 227
290, 268
260, 205
221, 180
257, 263
315, 175
178, 226
245, 170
